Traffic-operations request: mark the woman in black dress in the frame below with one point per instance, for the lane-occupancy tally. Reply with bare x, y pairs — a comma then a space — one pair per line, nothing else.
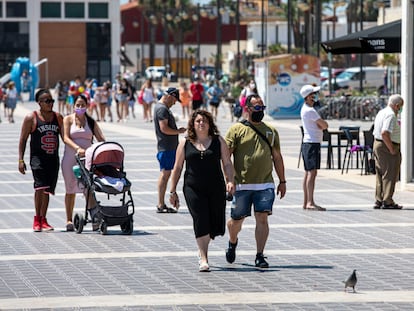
206, 156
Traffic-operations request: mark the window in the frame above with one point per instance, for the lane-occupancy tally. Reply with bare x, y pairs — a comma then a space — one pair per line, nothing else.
74, 10
16, 9
50, 10
1, 8
98, 10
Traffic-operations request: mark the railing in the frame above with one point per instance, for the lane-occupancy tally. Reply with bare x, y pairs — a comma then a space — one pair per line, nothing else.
363, 108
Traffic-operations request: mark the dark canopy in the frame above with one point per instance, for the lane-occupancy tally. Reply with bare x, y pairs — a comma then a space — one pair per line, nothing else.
385, 38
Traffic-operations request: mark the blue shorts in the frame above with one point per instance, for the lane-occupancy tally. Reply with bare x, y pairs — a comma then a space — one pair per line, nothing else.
262, 201
311, 153
166, 159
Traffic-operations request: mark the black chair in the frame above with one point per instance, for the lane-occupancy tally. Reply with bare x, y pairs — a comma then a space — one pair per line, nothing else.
368, 161
351, 149
301, 143
354, 130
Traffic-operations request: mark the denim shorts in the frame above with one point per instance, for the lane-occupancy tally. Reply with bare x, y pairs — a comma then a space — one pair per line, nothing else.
262, 200
166, 159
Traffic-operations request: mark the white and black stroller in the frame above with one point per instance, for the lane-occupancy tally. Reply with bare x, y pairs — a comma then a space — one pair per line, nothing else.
102, 174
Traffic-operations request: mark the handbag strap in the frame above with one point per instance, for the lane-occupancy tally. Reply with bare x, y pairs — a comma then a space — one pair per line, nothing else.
247, 123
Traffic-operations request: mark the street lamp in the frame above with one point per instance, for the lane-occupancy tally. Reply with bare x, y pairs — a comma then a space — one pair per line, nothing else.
218, 37
336, 5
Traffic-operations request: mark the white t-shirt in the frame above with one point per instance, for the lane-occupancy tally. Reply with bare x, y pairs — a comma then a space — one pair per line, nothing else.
386, 120
309, 116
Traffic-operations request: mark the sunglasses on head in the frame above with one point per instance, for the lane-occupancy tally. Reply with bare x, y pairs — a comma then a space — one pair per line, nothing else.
257, 108
48, 101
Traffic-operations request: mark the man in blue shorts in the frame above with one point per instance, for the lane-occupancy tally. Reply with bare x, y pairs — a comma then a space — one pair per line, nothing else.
167, 138
313, 126
256, 150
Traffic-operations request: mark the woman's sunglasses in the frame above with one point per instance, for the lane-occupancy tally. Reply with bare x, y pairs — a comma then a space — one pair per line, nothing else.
48, 101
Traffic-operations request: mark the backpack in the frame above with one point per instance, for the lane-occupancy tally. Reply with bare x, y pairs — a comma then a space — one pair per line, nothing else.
237, 109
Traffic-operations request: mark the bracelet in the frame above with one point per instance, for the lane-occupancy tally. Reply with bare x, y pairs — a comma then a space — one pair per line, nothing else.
21, 161
173, 192
282, 182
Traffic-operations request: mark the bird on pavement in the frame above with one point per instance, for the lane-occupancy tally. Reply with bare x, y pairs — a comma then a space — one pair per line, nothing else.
351, 281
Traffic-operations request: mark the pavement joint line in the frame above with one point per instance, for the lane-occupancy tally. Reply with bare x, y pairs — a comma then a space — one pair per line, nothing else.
208, 299
181, 254
245, 226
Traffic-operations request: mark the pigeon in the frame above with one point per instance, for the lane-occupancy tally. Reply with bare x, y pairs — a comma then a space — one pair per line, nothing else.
351, 281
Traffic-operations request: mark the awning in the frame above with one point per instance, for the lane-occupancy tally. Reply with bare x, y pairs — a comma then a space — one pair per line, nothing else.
385, 38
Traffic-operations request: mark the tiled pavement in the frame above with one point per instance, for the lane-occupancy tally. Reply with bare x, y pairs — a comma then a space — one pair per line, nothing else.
310, 253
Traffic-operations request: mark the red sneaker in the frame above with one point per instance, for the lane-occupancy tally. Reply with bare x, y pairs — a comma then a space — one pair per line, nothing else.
36, 224
45, 226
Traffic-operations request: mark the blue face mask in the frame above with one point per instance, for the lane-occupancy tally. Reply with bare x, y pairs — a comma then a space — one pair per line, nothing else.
315, 97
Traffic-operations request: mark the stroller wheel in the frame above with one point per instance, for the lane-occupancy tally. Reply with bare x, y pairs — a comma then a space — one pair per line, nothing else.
104, 228
78, 223
128, 227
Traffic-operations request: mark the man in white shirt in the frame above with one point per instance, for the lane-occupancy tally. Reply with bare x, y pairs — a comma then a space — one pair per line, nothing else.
387, 153
313, 126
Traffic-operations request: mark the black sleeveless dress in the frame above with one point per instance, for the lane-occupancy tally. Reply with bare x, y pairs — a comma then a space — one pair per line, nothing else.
205, 189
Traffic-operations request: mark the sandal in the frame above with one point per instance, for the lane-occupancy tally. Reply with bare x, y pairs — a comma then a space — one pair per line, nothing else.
392, 206
378, 205
165, 209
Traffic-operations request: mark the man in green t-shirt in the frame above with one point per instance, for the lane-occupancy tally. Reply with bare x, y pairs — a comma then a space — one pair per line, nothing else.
256, 150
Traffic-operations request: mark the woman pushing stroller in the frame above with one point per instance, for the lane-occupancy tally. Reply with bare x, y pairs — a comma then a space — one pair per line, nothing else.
79, 131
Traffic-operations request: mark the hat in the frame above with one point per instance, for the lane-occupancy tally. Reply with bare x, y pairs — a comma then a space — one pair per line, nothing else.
173, 92
308, 89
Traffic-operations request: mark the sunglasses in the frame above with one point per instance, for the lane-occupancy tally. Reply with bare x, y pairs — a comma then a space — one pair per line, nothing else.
48, 101
257, 108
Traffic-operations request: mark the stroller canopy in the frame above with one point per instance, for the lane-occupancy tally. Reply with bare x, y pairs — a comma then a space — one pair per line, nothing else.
104, 154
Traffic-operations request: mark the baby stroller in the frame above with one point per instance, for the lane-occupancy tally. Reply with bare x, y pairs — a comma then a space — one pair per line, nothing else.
102, 172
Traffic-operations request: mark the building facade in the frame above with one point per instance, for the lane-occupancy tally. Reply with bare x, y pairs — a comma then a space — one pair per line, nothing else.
65, 38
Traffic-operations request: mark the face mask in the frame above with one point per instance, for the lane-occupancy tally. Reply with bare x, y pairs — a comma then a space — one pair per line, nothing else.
80, 111
400, 110
257, 116
315, 98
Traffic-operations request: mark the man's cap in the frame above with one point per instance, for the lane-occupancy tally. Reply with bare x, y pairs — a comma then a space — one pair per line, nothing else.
173, 92
308, 89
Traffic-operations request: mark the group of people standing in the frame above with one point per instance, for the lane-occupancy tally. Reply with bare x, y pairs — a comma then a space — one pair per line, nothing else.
210, 177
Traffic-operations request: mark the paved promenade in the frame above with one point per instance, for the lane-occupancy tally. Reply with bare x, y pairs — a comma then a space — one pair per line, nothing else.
156, 268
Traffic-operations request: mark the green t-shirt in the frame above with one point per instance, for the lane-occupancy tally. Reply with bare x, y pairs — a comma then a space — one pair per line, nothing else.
252, 158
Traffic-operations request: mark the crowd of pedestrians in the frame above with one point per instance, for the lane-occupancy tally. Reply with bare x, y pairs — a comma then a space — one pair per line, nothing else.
237, 167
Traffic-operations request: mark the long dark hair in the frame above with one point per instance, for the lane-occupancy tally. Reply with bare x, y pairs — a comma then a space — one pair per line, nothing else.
212, 131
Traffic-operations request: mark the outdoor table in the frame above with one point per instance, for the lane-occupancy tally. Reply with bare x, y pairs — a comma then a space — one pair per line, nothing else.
340, 134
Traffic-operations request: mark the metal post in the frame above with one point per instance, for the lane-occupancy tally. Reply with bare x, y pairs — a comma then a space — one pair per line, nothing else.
238, 39
218, 36
263, 31
141, 24
361, 60
289, 21
198, 34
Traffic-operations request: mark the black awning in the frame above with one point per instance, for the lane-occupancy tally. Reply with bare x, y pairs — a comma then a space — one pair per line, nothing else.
385, 38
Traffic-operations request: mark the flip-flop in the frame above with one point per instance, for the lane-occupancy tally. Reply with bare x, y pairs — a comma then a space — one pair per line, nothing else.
166, 209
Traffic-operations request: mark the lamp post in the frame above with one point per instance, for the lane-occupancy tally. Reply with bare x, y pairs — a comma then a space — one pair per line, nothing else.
198, 34
238, 39
142, 45
289, 25
218, 37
